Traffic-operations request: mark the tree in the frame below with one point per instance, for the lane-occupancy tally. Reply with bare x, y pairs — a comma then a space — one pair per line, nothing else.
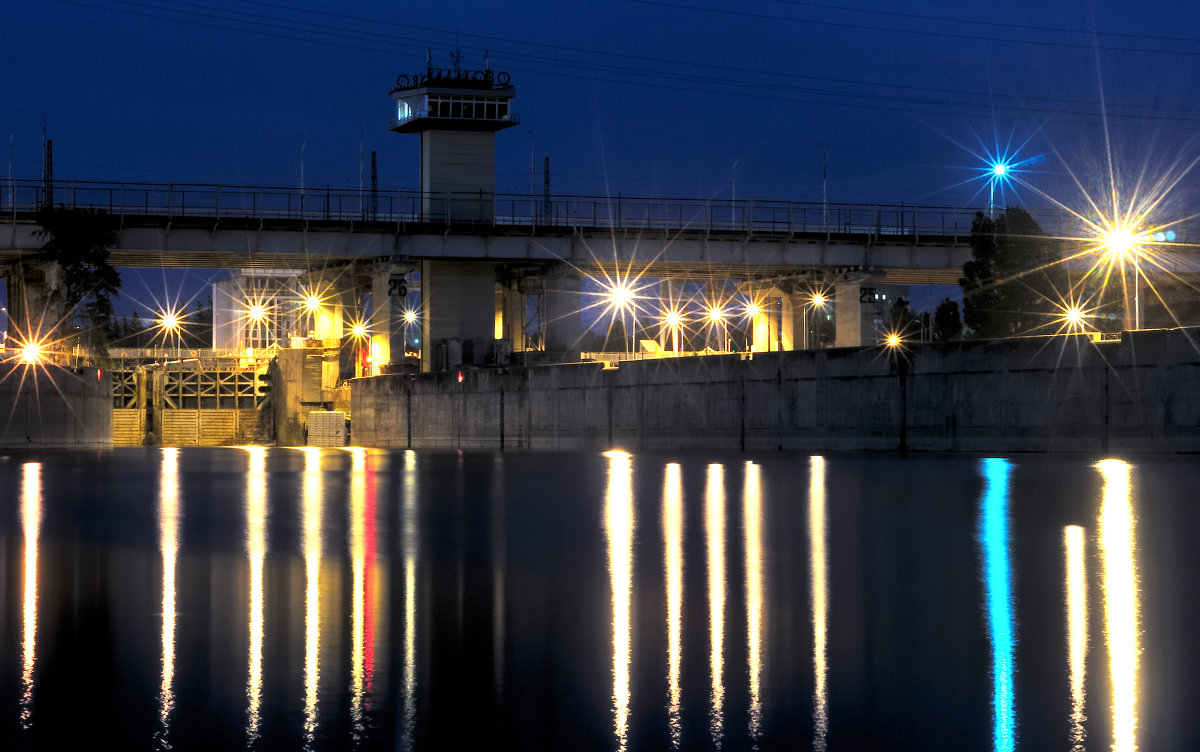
77, 240
947, 323
901, 319
1014, 279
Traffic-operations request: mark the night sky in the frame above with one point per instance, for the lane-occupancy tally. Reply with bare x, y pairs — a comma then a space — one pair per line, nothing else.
662, 98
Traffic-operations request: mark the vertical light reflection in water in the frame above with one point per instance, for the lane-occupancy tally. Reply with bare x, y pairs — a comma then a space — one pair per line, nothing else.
311, 514
752, 522
993, 534
409, 522
1077, 636
673, 557
715, 532
358, 560
618, 525
1121, 607
256, 551
820, 599
31, 520
168, 522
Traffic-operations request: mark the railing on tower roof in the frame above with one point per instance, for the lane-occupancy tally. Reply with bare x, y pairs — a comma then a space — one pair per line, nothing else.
169, 201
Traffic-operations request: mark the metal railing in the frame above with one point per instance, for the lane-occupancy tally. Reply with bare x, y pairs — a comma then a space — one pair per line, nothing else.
618, 213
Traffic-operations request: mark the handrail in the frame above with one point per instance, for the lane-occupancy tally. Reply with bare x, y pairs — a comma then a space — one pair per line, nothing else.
178, 201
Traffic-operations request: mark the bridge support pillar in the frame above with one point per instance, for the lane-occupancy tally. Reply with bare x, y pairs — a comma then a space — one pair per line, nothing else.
458, 313
771, 322
33, 311
563, 326
386, 314
847, 315
510, 315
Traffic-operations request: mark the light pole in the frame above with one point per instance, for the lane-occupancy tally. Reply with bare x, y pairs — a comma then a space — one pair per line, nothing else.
532, 173
1122, 245
824, 189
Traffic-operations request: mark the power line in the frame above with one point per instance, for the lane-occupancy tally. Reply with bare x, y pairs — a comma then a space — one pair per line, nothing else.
271, 26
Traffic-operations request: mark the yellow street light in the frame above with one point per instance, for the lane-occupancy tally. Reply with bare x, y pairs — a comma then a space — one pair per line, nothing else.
31, 353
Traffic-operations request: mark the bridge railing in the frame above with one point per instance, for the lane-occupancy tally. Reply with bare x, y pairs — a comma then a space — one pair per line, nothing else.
624, 213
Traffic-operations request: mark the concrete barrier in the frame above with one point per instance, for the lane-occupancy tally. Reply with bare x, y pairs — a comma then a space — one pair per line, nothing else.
1051, 394
53, 407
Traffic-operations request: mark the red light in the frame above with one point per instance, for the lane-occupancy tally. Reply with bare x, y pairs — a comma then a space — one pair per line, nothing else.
460, 377
97, 374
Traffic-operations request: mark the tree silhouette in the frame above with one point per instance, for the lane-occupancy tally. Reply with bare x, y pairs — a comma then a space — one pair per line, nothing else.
1014, 278
77, 240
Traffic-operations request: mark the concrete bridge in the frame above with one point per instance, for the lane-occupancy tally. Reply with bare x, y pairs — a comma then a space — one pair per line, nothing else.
212, 226
475, 264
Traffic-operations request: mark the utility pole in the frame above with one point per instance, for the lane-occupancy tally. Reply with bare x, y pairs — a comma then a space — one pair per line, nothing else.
532, 173
824, 189
374, 188
546, 190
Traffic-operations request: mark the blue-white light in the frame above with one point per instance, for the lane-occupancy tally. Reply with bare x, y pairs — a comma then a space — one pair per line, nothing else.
993, 536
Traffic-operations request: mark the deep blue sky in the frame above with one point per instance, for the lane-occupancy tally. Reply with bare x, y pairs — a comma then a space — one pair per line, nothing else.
647, 97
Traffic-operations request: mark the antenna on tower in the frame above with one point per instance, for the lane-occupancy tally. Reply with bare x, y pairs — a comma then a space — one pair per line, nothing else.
487, 60
428, 61
456, 56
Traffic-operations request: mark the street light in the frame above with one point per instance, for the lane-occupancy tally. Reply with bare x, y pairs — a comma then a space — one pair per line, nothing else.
1122, 245
716, 316
673, 320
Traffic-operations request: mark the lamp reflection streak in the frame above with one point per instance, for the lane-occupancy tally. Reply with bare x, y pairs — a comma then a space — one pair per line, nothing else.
409, 540
993, 534
168, 521
820, 600
358, 556
673, 558
1077, 636
311, 516
31, 520
618, 525
752, 529
1121, 606
715, 534
256, 551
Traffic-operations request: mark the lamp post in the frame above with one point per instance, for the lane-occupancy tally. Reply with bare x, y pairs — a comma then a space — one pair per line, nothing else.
1123, 245
532, 173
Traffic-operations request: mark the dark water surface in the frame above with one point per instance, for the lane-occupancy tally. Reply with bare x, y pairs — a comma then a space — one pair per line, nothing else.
349, 599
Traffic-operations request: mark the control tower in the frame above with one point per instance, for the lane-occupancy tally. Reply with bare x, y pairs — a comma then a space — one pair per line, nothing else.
457, 113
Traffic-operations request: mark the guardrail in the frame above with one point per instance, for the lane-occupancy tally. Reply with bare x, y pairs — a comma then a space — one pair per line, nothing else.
623, 213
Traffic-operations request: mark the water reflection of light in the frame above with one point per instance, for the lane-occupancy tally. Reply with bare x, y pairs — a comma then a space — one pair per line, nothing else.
752, 522
714, 527
1121, 607
1077, 636
31, 520
673, 558
993, 535
256, 551
358, 560
408, 543
820, 599
311, 522
618, 526
168, 521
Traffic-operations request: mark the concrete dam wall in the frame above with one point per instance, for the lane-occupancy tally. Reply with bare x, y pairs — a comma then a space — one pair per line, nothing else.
46, 406
1043, 394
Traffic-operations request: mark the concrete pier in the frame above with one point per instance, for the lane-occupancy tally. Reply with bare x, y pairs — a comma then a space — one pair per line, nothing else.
1055, 394
45, 406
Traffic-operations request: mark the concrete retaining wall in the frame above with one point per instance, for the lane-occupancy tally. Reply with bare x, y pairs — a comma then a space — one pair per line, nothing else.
1060, 394
48, 406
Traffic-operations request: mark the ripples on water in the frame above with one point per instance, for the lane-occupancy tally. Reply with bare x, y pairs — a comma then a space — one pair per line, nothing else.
316, 599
